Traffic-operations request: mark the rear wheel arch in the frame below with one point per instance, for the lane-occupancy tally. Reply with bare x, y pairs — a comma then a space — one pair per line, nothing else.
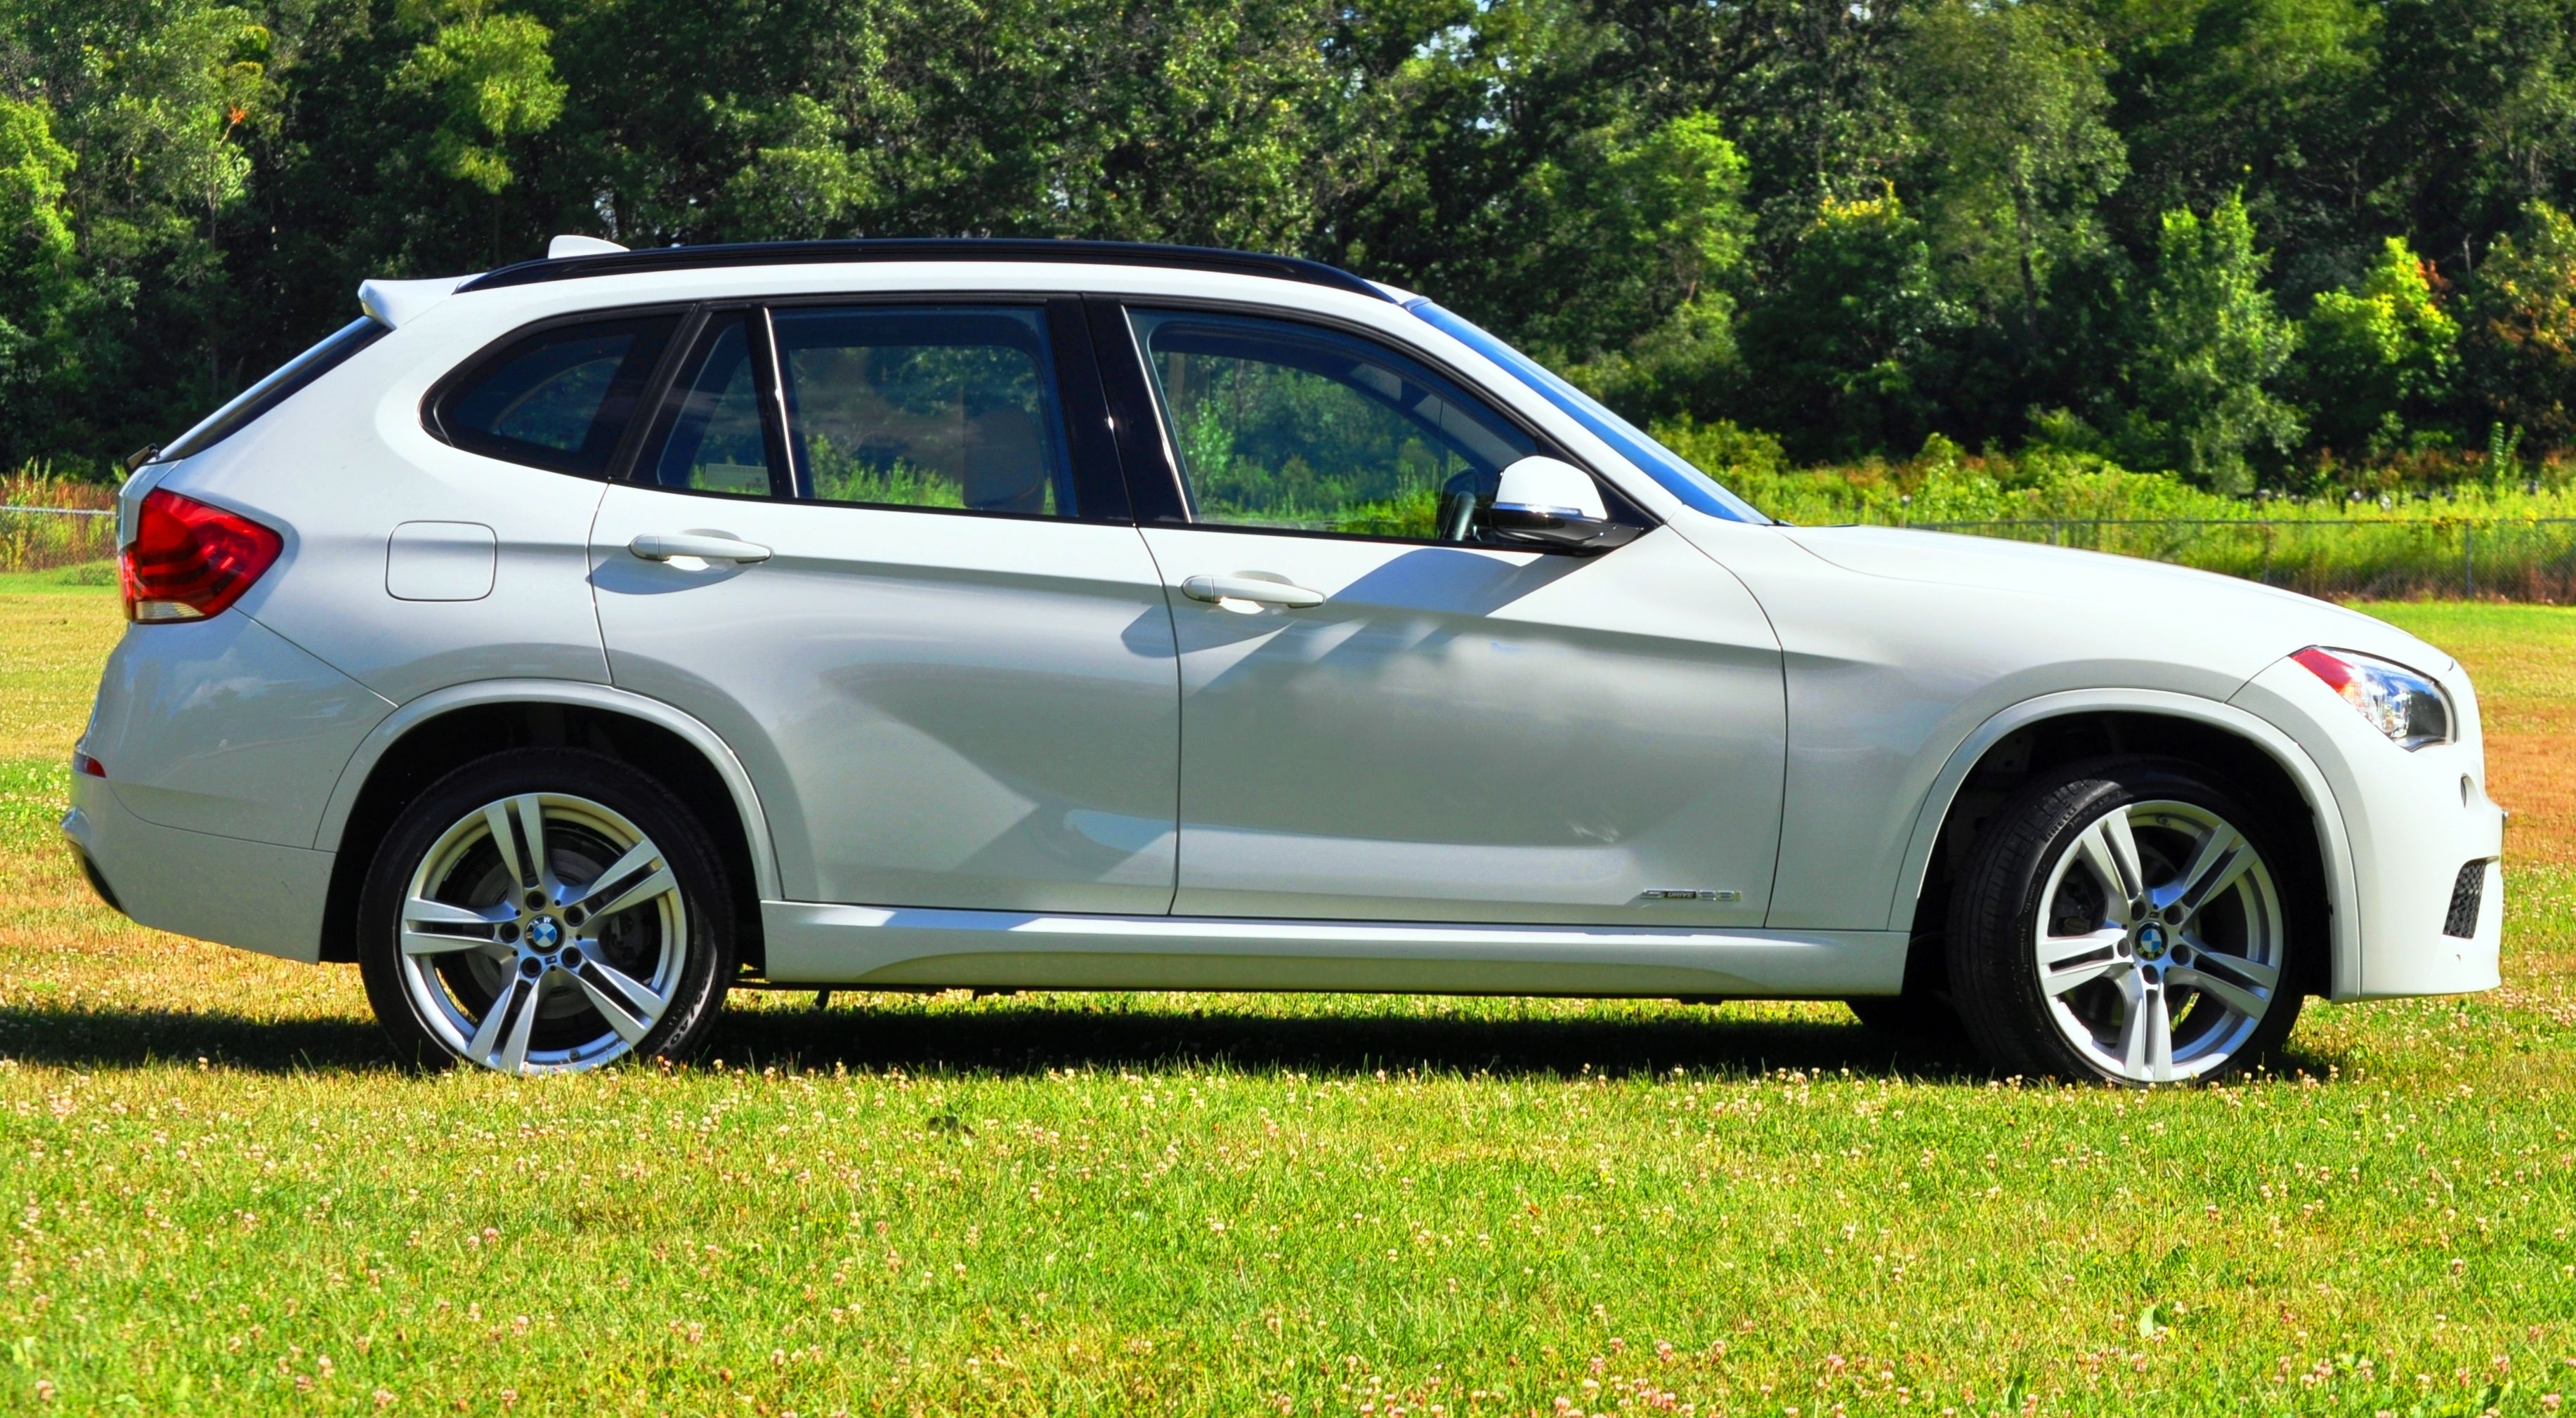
431, 737
2228, 743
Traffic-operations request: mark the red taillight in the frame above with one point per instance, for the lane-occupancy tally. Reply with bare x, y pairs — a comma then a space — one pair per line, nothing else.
188, 560
83, 763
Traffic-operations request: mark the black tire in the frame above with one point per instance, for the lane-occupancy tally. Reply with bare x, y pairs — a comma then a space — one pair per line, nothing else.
1995, 924
694, 984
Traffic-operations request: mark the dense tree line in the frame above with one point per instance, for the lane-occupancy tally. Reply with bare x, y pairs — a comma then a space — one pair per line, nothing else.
2238, 239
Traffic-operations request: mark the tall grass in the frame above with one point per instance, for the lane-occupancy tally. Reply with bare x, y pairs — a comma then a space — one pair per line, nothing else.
53, 536
2477, 529
2392, 558
2466, 529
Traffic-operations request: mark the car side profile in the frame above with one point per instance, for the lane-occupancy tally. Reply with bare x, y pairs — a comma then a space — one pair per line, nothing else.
569, 644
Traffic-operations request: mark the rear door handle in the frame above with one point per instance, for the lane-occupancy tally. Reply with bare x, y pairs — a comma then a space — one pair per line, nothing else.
1246, 586
705, 546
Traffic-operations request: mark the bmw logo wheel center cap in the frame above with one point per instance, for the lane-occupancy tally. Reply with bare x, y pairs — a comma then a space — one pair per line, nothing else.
545, 942
2151, 942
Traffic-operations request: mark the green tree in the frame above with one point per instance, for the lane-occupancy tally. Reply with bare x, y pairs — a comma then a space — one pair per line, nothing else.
1810, 92
1477, 133
1679, 202
2520, 344
1204, 124
1848, 342
2382, 357
2209, 352
802, 180
155, 101
1657, 231
2476, 116
2271, 101
2008, 102
32, 168
37, 289
488, 79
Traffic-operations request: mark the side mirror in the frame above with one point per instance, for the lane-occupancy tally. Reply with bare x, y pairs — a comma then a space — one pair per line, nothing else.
1551, 504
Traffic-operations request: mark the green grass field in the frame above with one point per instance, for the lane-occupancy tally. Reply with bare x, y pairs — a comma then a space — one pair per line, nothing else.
226, 1200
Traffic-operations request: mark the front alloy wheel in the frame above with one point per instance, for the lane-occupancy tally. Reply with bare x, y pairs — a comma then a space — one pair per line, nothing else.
2161, 942
2123, 921
536, 925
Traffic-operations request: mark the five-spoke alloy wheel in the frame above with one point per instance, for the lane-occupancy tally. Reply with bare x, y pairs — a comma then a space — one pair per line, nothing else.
543, 911
2124, 920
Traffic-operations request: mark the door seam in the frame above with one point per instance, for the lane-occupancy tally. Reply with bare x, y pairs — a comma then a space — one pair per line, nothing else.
1180, 711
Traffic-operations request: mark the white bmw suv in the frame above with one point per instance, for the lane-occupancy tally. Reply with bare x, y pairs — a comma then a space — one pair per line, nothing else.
568, 644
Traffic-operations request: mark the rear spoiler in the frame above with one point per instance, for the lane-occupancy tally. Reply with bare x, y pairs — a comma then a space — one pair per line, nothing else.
390, 303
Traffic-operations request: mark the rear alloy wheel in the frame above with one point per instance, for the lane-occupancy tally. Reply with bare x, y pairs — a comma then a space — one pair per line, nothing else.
2125, 922
545, 911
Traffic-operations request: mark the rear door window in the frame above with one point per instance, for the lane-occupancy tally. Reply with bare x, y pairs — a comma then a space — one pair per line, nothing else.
559, 398
925, 406
718, 439
953, 407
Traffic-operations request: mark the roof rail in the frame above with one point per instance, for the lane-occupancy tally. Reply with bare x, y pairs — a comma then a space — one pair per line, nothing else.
786, 253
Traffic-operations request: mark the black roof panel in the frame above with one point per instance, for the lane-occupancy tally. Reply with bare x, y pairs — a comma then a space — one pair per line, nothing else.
790, 253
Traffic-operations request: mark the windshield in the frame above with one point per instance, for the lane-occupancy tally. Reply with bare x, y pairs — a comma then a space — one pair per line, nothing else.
1653, 459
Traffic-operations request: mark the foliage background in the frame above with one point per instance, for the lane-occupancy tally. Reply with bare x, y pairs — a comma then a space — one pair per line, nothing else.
2293, 245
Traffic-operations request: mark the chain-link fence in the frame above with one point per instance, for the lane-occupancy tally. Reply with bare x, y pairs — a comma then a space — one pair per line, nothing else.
41, 538
2519, 559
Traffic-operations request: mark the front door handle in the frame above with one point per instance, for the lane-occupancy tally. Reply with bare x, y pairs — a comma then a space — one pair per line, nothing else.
705, 546
1250, 586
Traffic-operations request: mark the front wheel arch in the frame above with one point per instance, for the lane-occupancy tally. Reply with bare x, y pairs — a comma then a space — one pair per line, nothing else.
2042, 735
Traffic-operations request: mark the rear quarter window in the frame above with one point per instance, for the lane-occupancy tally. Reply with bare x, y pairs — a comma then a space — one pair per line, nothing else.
559, 397
289, 379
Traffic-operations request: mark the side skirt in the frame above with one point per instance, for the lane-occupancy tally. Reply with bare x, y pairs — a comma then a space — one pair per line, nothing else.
912, 948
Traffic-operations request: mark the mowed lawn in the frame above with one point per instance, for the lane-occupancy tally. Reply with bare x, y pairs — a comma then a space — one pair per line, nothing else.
223, 1199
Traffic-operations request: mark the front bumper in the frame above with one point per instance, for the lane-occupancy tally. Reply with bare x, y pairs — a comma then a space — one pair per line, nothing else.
255, 895
2412, 822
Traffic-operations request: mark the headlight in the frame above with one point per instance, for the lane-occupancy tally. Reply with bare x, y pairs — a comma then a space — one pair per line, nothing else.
2397, 701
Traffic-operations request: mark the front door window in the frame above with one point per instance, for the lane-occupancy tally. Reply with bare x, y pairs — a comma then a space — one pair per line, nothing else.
1298, 428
